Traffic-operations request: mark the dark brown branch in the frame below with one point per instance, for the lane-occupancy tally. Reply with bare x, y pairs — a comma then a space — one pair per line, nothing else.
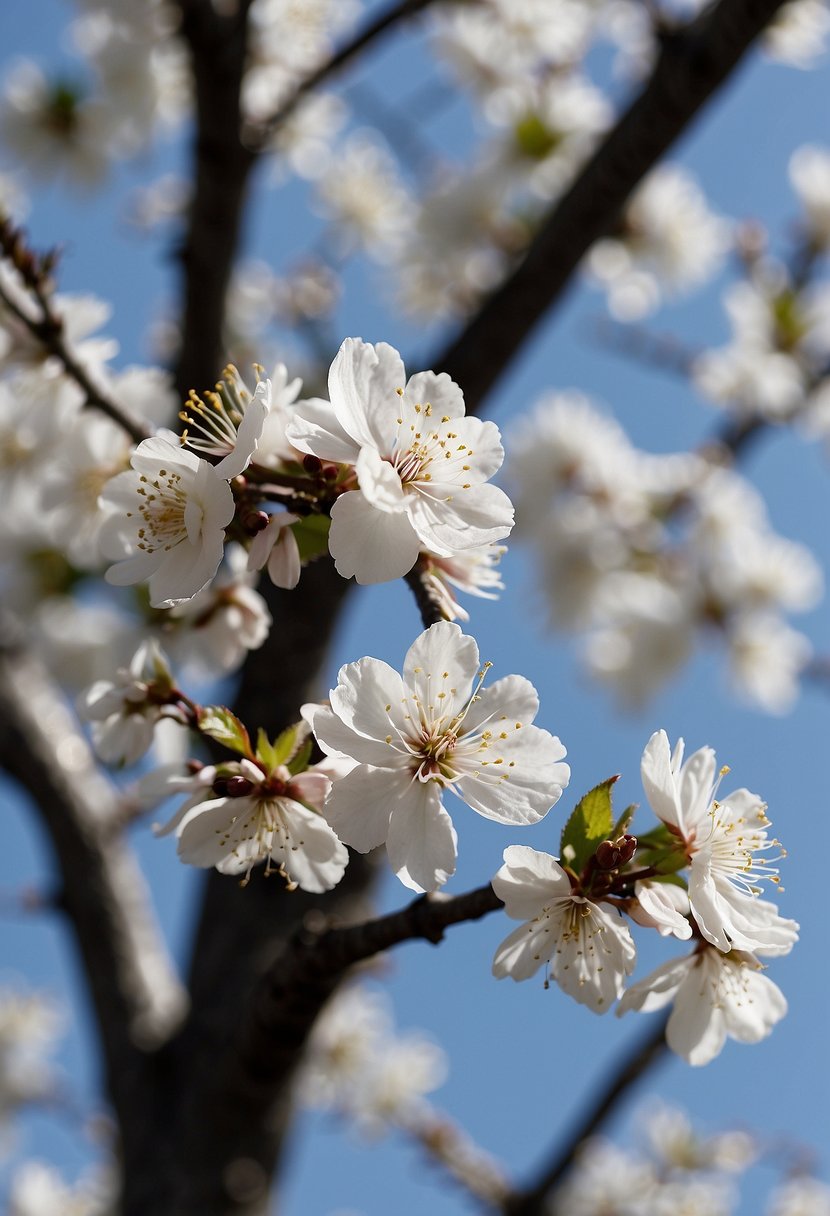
47, 329
540, 1198
692, 66
428, 603
232, 1114
218, 43
365, 37
138, 1000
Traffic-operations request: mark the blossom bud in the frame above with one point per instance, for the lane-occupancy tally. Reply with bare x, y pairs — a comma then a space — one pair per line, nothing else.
312, 464
330, 472
612, 854
238, 787
255, 521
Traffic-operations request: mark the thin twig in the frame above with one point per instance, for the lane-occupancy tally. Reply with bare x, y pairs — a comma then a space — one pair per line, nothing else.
692, 66
425, 597
536, 1200
48, 330
364, 37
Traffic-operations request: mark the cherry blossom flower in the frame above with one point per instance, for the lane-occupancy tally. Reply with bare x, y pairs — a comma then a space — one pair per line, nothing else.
247, 816
723, 839
220, 625
30, 1025
801, 1196
716, 996
124, 711
588, 947
229, 423
411, 738
422, 466
810, 176
358, 1063
171, 510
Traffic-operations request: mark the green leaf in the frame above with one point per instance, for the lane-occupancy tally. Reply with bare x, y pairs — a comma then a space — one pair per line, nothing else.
265, 751
623, 823
286, 749
591, 822
299, 762
220, 724
312, 536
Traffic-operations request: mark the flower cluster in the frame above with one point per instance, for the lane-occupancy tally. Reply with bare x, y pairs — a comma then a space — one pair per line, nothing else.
646, 553
573, 907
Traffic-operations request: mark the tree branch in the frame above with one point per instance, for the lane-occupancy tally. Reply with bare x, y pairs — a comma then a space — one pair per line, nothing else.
365, 37
232, 1114
692, 66
540, 1198
218, 43
137, 998
47, 329
428, 604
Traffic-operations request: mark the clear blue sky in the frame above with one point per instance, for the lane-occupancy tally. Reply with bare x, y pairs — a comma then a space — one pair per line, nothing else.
522, 1059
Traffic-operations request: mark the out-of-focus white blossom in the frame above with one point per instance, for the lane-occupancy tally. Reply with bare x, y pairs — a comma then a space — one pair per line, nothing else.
800, 1196
51, 127
214, 631
37, 1189
125, 710
669, 242
363, 194
810, 178
358, 1065
30, 1025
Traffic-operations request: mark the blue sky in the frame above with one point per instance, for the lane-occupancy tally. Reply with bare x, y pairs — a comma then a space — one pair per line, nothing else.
522, 1059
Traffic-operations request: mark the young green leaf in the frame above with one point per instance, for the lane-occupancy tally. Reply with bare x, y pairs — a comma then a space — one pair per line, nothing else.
299, 762
591, 822
220, 724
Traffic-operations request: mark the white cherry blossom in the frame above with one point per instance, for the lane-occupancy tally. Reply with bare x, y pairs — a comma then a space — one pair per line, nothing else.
220, 625
473, 572
260, 816
411, 738
229, 422
724, 839
716, 996
422, 466
125, 710
810, 176
588, 947
168, 523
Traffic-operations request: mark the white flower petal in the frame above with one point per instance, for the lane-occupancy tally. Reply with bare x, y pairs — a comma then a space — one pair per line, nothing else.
528, 881
422, 843
373, 546
359, 805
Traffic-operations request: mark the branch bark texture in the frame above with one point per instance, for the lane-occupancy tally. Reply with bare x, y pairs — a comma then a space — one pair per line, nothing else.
692, 66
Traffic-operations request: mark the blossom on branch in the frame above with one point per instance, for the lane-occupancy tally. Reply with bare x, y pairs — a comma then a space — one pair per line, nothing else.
124, 711
411, 738
169, 527
723, 839
716, 996
588, 947
422, 467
